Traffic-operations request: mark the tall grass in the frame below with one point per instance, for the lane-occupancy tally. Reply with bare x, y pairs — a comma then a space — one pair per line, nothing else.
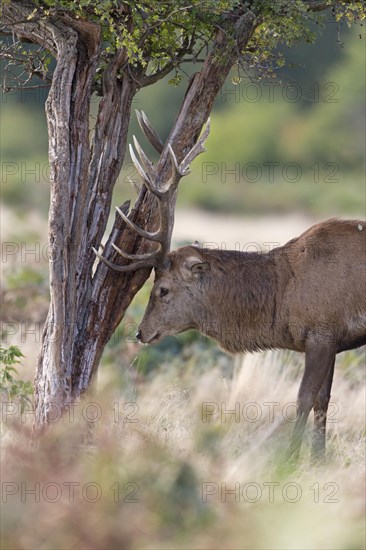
166, 465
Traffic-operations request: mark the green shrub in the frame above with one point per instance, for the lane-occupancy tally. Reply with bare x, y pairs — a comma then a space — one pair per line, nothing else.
14, 388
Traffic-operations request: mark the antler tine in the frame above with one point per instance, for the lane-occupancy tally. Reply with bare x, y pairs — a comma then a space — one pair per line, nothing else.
137, 164
144, 175
197, 149
145, 161
156, 236
176, 174
125, 268
149, 131
136, 257
155, 182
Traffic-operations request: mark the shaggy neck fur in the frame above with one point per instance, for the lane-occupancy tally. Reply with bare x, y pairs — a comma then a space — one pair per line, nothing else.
239, 310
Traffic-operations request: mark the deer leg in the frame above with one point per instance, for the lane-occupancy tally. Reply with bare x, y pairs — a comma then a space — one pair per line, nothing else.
319, 358
320, 415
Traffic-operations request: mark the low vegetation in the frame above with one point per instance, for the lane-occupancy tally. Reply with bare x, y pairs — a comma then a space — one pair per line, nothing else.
188, 455
181, 445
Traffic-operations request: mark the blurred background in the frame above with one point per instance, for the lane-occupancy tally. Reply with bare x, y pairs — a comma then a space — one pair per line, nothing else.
281, 155
292, 145
295, 145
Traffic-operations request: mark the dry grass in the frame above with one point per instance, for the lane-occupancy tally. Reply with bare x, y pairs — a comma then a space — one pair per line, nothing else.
164, 477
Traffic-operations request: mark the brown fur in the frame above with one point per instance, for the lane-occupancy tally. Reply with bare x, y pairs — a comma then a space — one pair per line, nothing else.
308, 295
315, 284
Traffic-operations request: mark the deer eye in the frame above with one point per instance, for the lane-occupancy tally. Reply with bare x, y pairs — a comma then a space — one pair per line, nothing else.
163, 292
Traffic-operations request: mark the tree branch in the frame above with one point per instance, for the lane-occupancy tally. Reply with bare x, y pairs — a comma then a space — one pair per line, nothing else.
18, 16
148, 80
112, 294
317, 5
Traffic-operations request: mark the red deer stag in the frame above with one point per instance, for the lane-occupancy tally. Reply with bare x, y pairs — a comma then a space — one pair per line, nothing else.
308, 295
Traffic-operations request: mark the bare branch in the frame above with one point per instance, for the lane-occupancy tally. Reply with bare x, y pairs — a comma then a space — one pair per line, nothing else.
316, 5
20, 17
154, 77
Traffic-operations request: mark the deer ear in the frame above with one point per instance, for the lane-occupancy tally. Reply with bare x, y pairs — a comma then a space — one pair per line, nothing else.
202, 267
196, 266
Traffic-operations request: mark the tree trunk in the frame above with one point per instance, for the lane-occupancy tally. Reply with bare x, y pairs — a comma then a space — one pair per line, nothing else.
82, 181
85, 309
112, 291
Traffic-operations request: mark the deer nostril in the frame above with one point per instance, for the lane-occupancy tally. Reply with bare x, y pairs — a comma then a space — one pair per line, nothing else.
138, 335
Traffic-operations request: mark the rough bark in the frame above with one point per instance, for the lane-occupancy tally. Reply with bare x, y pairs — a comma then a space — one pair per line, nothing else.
86, 308
113, 292
81, 191
67, 110
82, 179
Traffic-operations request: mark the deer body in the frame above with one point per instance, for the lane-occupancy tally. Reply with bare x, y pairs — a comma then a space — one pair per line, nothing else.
308, 295
315, 285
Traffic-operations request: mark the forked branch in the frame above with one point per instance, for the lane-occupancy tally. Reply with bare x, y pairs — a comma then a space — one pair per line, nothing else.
163, 189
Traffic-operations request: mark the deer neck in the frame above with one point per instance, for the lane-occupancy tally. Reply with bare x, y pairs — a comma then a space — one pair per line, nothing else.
242, 303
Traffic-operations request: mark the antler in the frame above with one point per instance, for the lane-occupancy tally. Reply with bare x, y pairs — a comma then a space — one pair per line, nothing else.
164, 192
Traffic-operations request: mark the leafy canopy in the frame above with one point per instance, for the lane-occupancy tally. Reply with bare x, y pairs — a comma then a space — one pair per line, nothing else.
158, 36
